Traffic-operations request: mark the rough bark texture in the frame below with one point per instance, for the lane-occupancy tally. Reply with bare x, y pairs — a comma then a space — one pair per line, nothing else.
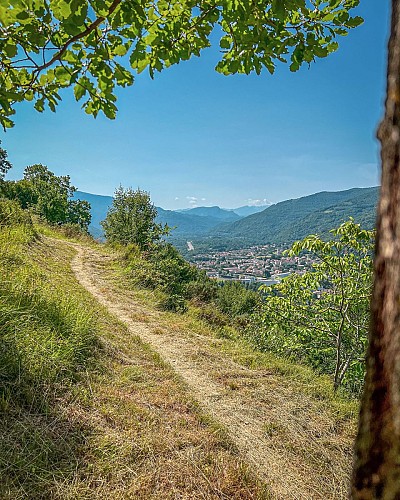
377, 453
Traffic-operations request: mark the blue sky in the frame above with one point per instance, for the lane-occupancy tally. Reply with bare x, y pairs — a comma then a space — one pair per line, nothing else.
194, 137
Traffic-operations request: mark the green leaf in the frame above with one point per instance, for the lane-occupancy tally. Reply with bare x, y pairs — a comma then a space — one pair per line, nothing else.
79, 91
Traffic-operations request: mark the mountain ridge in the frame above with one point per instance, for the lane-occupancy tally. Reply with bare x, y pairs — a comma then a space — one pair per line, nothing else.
282, 222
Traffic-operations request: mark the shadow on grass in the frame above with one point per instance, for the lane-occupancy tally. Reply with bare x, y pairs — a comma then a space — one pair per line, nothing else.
45, 345
40, 453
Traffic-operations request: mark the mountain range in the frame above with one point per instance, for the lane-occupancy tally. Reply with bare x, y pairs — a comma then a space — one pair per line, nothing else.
188, 223
286, 221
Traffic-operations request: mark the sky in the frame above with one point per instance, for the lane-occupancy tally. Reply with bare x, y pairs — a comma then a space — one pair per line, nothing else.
193, 137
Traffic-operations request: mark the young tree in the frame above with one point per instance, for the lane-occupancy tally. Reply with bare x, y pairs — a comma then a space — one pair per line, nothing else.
322, 317
78, 212
5, 166
131, 219
94, 45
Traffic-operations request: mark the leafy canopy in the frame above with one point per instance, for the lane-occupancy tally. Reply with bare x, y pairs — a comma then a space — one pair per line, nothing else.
95, 45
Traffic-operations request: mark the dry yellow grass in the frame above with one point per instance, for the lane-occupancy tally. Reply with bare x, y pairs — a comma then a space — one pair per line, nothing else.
286, 422
127, 428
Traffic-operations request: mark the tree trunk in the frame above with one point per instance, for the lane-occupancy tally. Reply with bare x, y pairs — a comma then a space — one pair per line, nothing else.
377, 453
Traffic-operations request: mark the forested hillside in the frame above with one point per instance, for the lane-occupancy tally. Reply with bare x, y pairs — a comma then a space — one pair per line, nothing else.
215, 212
286, 221
291, 220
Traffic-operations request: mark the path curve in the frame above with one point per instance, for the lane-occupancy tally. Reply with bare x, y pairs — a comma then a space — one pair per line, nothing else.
245, 424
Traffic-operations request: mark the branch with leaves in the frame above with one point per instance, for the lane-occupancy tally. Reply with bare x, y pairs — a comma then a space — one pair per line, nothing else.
95, 45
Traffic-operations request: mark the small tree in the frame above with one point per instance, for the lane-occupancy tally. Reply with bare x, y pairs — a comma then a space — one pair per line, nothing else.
322, 317
78, 212
5, 166
131, 219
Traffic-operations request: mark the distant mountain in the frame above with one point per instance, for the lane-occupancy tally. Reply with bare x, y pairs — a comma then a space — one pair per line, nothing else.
214, 212
247, 210
187, 225
294, 219
284, 222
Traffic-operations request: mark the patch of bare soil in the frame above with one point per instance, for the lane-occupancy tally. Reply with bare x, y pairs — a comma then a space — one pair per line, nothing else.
288, 439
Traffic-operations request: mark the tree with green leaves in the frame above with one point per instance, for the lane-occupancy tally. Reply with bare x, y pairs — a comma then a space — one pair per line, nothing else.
50, 192
95, 45
322, 316
5, 166
49, 196
132, 219
79, 214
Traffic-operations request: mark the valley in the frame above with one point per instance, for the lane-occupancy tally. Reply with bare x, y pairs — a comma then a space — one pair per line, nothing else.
212, 229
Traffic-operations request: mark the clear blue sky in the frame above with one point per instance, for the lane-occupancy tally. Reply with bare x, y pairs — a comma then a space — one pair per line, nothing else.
193, 136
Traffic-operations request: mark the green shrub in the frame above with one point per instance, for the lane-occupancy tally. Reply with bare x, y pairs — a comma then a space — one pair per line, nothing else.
11, 214
235, 300
173, 303
202, 290
212, 315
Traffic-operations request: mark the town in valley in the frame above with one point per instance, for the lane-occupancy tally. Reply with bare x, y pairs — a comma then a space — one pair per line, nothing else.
261, 264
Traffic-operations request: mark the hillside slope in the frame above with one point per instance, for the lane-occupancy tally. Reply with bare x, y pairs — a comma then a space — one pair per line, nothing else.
279, 416
102, 395
294, 219
87, 410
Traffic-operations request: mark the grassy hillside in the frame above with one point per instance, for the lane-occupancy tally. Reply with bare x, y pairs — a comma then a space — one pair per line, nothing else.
86, 409
294, 219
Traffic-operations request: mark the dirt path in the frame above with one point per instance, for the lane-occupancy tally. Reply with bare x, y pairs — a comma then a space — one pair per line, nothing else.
290, 442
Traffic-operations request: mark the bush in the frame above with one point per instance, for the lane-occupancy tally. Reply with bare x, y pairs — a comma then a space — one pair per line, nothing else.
173, 303
202, 290
74, 231
11, 214
235, 300
212, 315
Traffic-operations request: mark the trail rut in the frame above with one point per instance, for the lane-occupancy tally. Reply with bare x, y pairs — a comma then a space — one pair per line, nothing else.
274, 429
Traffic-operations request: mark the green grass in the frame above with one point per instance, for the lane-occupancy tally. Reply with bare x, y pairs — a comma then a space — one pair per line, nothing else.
47, 339
47, 335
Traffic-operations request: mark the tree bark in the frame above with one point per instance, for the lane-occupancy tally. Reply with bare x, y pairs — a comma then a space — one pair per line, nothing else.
377, 453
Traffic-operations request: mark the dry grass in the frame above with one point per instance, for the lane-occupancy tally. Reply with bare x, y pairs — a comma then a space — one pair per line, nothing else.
302, 432
126, 427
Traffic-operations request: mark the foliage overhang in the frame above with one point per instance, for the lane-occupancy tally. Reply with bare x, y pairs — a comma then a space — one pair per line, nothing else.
95, 45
